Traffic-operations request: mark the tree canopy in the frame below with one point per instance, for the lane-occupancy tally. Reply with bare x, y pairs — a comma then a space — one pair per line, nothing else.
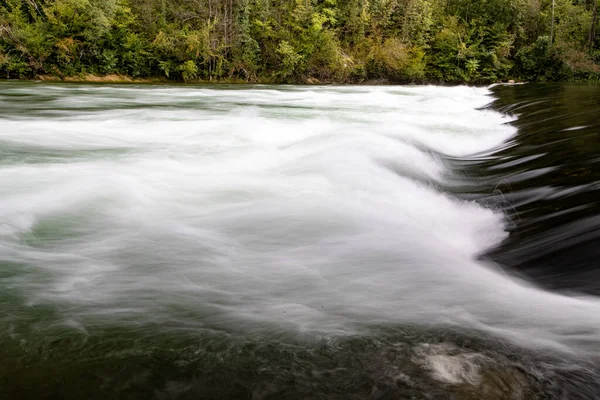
443, 41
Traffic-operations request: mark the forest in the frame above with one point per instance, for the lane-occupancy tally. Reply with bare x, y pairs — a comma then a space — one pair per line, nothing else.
302, 41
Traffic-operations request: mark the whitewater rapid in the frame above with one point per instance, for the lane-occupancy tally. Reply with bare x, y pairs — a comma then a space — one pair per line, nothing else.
311, 210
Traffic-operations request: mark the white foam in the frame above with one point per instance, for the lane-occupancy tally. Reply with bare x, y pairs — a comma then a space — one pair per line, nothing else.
300, 209
449, 364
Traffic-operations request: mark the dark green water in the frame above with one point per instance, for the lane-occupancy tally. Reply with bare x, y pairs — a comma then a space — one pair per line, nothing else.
549, 178
180, 242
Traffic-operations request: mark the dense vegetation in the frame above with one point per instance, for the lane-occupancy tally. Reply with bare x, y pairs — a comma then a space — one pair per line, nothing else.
302, 40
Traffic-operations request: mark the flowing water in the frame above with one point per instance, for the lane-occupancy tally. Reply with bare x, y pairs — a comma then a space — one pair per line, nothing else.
178, 242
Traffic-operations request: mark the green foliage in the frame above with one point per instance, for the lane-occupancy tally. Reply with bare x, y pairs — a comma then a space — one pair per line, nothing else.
289, 59
543, 62
189, 70
302, 40
417, 22
539, 61
397, 61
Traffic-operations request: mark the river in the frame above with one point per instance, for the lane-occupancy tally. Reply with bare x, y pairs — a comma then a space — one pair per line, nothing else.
378, 242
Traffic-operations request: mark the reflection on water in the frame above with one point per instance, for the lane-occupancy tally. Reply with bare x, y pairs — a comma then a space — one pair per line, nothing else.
270, 242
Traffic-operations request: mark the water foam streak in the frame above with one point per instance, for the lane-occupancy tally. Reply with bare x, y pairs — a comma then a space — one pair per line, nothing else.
314, 210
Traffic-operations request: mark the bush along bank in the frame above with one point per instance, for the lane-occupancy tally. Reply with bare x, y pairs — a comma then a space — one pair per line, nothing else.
301, 41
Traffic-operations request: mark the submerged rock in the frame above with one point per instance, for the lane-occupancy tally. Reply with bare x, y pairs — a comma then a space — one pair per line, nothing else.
474, 375
502, 383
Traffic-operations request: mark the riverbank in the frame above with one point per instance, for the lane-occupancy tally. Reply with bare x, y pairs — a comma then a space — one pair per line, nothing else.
91, 78
120, 78
124, 79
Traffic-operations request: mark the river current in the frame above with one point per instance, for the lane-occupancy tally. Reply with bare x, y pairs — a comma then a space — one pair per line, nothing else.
286, 242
